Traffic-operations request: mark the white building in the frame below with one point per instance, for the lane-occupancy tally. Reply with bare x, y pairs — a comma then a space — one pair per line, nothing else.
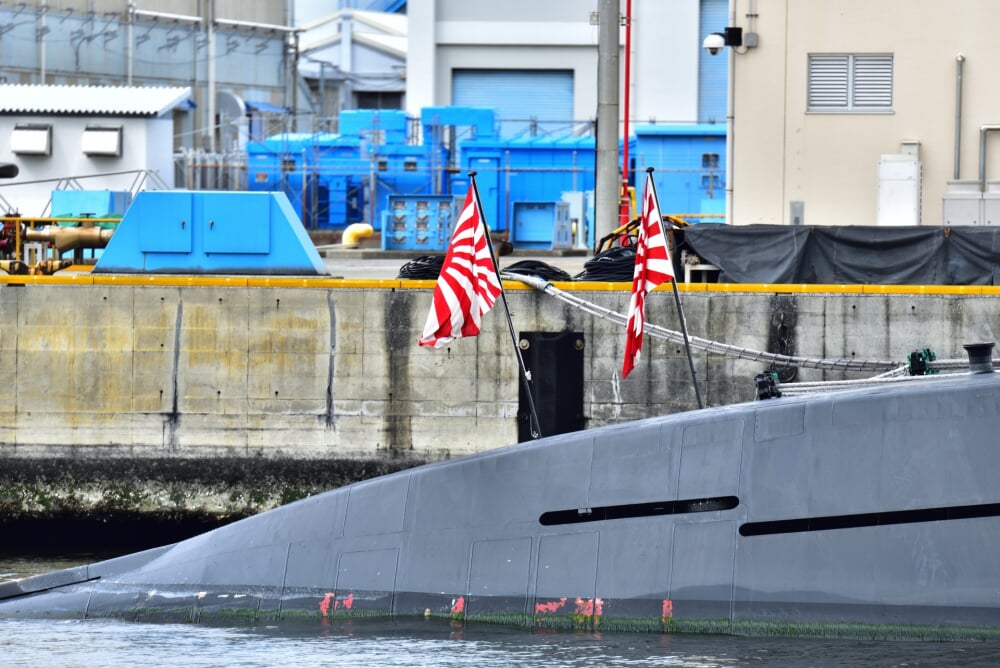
86, 137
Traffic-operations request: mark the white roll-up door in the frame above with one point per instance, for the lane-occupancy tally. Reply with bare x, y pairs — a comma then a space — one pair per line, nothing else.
526, 101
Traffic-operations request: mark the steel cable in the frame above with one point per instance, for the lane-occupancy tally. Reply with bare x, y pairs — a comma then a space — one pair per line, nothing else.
706, 345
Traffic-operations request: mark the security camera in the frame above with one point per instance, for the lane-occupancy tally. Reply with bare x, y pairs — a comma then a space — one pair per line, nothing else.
714, 43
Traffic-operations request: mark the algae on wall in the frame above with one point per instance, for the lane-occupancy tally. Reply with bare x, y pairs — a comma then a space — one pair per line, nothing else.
169, 495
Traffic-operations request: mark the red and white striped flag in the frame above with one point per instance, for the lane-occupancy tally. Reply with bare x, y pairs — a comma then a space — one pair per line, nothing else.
652, 267
468, 284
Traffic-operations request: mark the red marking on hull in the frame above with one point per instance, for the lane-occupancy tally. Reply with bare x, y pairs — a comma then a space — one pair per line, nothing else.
324, 605
550, 607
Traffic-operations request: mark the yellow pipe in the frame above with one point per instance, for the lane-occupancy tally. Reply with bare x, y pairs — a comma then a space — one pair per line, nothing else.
354, 232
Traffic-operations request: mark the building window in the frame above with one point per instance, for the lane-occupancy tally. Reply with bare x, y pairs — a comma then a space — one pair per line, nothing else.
31, 139
709, 160
379, 100
850, 83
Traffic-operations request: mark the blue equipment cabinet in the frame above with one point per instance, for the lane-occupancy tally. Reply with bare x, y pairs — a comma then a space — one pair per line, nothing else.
527, 169
541, 225
209, 232
690, 166
418, 222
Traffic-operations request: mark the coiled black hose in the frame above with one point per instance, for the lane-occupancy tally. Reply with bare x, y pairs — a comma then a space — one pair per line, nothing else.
614, 264
422, 268
540, 269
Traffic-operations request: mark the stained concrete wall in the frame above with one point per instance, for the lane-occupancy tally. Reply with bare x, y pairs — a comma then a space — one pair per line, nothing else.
276, 377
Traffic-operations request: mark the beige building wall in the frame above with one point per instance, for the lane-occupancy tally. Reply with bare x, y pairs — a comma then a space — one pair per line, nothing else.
829, 161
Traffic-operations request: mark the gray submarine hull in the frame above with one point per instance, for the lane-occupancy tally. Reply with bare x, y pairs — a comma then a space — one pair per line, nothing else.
869, 509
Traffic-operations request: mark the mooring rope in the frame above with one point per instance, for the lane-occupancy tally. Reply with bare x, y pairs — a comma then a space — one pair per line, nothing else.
706, 345
892, 371
796, 389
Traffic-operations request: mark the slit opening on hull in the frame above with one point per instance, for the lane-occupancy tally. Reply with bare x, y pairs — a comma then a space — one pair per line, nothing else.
857, 520
631, 510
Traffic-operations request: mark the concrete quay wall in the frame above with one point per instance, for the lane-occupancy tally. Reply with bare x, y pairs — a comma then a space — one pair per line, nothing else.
227, 396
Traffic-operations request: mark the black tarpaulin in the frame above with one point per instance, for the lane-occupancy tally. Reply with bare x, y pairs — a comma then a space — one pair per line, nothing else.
848, 254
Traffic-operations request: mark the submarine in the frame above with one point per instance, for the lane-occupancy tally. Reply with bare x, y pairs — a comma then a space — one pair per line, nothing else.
867, 512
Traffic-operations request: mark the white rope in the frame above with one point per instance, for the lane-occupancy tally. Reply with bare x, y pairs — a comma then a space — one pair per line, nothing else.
796, 389
706, 345
892, 372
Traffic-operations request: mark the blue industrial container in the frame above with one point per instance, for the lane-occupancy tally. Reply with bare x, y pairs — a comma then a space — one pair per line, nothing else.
276, 165
317, 172
485, 161
401, 169
207, 232
339, 167
264, 166
462, 122
333, 180
378, 126
90, 204
541, 225
528, 169
374, 151
689, 162
418, 222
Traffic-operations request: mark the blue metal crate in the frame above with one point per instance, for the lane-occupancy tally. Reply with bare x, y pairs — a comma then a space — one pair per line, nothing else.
417, 222
541, 225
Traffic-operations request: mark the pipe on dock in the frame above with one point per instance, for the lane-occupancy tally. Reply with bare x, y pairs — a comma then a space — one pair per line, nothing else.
959, 62
354, 233
71, 238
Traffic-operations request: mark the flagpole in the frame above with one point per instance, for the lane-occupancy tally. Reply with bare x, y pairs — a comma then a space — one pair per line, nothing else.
533, 425
680, 309
687, 345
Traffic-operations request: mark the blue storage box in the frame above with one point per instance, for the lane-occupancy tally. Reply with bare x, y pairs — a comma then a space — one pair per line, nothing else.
418, 222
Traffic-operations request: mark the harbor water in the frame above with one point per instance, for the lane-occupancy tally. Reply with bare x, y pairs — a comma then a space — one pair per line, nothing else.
418, 642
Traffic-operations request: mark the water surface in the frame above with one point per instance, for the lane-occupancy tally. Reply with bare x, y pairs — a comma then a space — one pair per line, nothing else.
418, 642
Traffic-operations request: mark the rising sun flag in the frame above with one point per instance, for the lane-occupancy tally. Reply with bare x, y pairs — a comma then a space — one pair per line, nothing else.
468, 285
652, 267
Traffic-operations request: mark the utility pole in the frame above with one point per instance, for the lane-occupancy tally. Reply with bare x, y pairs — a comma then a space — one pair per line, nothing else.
210, 122
608, 176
